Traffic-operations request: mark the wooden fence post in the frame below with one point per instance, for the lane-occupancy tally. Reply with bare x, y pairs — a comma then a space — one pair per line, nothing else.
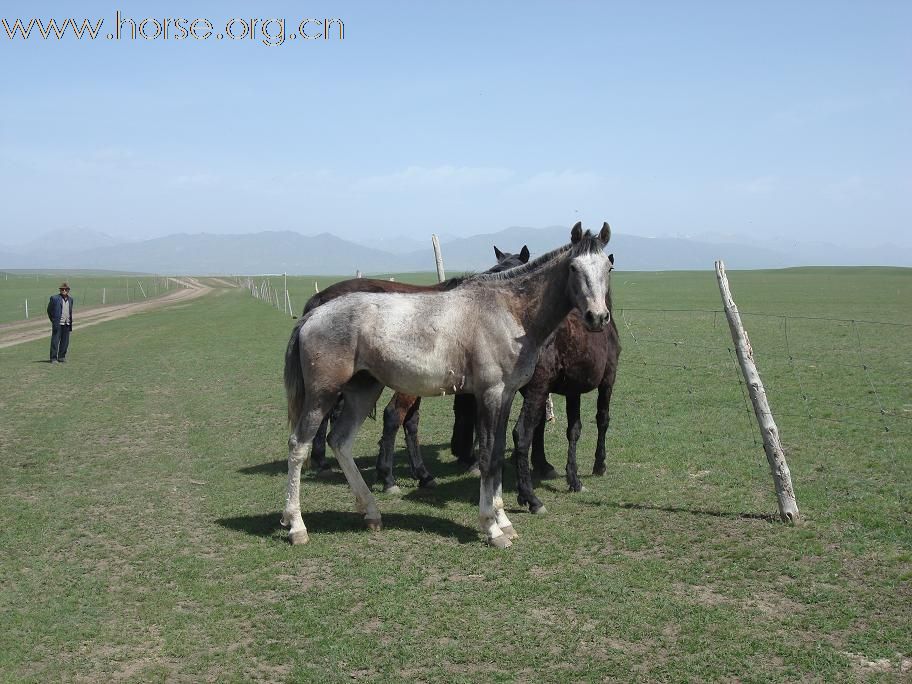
438, 258
788, 506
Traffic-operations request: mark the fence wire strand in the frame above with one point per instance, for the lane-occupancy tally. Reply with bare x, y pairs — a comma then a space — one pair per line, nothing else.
653, 330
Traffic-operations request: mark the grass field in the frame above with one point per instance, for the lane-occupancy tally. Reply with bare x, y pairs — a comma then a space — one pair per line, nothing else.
141, 484
88, 289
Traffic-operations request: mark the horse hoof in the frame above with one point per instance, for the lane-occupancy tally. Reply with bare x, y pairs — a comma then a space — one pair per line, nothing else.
299, 537
598, 472
549, 475
509, 532
474, 471
374, 525
541, 510
500, 542
324, 473
392, 491
429, 484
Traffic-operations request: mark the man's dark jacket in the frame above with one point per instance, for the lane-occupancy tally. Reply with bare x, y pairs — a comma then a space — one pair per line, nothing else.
55, 308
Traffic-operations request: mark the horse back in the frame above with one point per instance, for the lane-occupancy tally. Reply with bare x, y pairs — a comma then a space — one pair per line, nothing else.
344, 287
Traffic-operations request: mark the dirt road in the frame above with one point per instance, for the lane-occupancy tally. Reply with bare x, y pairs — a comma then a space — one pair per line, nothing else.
28, 331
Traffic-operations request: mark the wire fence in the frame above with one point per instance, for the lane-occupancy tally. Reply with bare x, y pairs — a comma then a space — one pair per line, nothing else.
833, 385
25, 296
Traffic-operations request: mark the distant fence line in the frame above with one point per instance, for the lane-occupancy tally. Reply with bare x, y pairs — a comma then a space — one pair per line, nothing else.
24, 296
261, 287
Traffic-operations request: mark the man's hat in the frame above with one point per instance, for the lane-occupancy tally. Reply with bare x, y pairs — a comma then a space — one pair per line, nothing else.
64, 285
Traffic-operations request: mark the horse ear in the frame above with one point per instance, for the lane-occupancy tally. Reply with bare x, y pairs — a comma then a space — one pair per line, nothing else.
605, 233
576, 233
498, 253
611, 259
524, 255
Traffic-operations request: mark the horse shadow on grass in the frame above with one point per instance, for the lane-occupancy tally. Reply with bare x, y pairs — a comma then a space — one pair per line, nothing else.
441, 467
335, 522
766, 517
454, 483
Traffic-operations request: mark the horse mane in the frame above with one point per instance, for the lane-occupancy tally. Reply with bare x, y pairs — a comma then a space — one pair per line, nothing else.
588, 244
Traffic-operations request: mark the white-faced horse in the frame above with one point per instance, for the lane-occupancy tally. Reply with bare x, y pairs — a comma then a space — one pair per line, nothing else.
482, 338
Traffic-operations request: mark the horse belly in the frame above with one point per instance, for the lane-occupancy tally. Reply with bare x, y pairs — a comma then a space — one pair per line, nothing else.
423, 364
424, 377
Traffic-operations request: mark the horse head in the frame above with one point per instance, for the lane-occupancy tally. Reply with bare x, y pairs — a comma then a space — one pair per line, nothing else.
506, 261
587, 283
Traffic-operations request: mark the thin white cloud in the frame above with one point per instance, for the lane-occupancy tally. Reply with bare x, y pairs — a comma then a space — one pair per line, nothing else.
196, 179
761, 185
447, 177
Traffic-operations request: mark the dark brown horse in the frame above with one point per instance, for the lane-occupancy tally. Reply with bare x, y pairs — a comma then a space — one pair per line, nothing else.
403, 410
573, 362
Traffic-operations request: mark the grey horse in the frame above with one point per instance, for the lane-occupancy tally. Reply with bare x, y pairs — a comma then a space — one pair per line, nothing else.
482, 338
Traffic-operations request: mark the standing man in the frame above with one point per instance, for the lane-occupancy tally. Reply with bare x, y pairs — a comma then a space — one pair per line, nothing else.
60, 311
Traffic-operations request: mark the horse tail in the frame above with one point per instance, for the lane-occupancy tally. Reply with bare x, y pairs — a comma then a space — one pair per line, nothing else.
294, 378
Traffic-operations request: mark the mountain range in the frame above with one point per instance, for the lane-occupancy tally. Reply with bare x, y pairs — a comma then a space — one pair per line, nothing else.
326, 254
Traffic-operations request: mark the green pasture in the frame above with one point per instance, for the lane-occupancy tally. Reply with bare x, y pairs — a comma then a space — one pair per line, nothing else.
141, 485
88, 289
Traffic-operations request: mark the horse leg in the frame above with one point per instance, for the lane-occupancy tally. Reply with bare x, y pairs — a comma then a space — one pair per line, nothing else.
574, 427
299, 449
522, 438
493, 412
602, 419
318, 456
416, 463
318, 459
361, 396
503, 522
393, 415
463, 440
540, 466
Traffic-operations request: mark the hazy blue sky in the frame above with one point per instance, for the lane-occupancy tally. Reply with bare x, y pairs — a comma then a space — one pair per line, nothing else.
761, 118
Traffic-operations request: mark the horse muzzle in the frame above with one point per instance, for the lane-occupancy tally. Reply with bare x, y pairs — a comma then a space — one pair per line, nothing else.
596, 322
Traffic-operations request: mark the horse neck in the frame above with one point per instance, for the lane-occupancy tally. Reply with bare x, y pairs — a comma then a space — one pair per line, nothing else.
541, 299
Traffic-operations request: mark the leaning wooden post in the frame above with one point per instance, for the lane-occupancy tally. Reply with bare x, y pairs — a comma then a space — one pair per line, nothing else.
788, 507
438, 258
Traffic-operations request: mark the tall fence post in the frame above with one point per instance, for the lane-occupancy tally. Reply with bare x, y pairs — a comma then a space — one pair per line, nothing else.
438, 258
788, 506
285, 286
26, 309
